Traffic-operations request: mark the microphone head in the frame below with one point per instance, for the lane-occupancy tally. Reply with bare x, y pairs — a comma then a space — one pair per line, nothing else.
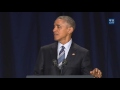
54, 62
64, 62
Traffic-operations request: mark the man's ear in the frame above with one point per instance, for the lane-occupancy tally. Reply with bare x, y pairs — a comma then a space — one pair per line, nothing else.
70, 30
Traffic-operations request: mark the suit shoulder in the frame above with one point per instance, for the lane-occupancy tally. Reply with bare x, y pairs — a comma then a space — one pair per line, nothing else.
47, 46
80, 48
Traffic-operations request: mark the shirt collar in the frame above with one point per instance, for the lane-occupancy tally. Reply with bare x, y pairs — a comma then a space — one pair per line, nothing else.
67, 45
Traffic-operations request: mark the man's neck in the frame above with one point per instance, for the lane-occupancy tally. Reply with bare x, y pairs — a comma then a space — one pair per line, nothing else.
65, 41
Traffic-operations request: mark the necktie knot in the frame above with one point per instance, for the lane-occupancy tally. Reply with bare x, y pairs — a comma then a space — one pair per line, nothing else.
61, 50
63, 47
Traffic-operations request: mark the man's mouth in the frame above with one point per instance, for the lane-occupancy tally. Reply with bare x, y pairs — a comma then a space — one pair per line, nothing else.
55, 34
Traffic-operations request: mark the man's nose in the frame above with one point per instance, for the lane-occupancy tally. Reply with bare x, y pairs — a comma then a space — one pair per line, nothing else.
54, 29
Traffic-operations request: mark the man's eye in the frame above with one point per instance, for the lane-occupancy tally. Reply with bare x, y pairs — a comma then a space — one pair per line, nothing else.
58, 26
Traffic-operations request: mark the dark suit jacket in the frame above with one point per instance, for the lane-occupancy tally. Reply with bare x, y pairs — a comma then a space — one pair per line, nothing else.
78, 61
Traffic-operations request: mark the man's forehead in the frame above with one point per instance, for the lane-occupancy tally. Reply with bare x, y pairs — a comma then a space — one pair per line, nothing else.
59, 22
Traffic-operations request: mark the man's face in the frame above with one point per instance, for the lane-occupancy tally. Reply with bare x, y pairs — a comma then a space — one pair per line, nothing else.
61, 30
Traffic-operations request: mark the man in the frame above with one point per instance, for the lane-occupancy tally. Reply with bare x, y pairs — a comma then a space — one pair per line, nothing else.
72, 60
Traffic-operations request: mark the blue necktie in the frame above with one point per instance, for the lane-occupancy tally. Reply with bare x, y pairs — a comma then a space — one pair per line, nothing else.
61, 55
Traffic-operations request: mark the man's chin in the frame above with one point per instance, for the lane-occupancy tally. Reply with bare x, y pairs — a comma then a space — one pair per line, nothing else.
56, 39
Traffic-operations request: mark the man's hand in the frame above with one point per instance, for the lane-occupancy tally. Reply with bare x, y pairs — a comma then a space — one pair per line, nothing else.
96, 73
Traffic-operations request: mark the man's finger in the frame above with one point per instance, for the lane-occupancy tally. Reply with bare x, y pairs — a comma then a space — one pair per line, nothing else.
96, 69
100, 74
91, 72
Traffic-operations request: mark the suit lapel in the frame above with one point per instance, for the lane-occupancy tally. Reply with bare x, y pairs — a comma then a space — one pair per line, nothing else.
53, 51
70, 56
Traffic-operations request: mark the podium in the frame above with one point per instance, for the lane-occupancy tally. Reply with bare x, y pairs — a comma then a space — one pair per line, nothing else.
59, 76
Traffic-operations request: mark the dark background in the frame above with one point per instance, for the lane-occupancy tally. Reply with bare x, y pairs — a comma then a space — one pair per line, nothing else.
23, 33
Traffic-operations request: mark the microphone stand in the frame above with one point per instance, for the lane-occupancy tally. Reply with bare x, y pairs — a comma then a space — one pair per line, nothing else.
56, 66
63, 63
61, 70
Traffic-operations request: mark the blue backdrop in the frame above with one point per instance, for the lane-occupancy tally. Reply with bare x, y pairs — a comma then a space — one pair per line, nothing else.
23, 33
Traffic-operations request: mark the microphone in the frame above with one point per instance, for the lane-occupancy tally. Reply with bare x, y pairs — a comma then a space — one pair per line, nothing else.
55, 62
56, 69
63, 64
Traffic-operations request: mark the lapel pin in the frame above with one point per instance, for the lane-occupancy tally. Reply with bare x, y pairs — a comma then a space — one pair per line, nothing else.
73, 54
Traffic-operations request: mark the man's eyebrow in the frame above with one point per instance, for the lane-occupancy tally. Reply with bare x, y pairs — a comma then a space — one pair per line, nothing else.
56, 25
